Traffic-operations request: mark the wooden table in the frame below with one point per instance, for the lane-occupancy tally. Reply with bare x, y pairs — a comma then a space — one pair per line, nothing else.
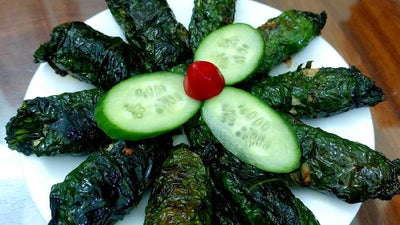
365, 32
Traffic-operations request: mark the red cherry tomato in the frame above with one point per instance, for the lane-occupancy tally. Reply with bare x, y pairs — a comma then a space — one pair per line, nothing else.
203, 80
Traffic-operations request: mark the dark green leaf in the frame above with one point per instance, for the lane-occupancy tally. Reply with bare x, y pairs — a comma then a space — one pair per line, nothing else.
287, 34
59, 124
151, 26
349, 170
88, 55
208, 16
182, 192
316, 92
109, 183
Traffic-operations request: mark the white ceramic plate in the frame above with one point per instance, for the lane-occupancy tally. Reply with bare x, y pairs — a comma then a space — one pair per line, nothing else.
41, 173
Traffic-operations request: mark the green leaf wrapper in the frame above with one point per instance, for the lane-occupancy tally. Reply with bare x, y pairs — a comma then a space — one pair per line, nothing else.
182, 192
287, 34
318, 92
58, 124
109, 183
152, 27
89, 55
260, 198
349, 170
208, 16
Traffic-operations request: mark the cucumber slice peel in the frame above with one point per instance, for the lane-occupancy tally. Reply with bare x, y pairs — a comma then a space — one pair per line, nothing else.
252, 131
236, 49
145, 106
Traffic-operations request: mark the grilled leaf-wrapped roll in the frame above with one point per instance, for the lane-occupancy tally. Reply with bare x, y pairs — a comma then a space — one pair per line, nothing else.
182, 192
109, 183
151, 26
330, 164
287, 34
208, 16
259, 198
319, 92
336, 166
59, 124
252, 195
88, 55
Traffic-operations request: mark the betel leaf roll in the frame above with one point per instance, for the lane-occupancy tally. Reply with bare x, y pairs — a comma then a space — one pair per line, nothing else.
151, 26
259, 198
251, 195
182, 192
208, 16
349, 170
319, 92
58, 124
109, 183
287, 34
89, 55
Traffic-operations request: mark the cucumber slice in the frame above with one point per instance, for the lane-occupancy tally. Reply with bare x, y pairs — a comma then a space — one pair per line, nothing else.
145, 106
236, 50
252, 131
